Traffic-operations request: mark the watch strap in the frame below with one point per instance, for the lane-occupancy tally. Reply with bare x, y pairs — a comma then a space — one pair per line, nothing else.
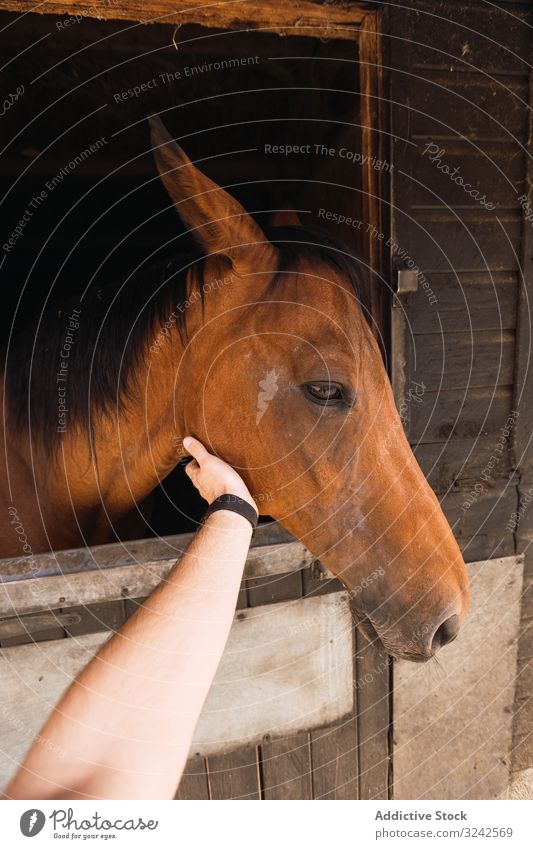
235, 504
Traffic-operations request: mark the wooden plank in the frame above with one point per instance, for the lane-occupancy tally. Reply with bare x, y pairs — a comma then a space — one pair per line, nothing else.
287, 768
108, 616
124, 582
334, 755
486, 512
489, 546
374, 145
459, 463
493, 169
461, 360
472, 37
194, 783
522, 785
20, 639
373, 719
284, 763
452, 731
131, 552
274, 588
467, 240
286, 667
27, 628
466, 105
467, 301
236, 775
459, 414
480, 521
318, 581
523, 389
334, 752
522, 754
309, 17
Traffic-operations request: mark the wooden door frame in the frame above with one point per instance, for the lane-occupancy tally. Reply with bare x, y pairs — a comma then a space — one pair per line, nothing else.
368, 730
317, 18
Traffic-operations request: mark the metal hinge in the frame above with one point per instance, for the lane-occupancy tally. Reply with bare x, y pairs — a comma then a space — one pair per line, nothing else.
407, 281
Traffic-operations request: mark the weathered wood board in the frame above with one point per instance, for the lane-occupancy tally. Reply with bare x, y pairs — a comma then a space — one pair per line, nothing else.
314, 17
286, 667
453, 721
37, 591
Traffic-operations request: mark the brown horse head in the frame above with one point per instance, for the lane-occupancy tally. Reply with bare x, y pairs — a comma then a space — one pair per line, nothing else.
286, 382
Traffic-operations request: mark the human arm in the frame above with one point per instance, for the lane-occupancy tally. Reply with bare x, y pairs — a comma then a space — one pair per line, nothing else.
125, 725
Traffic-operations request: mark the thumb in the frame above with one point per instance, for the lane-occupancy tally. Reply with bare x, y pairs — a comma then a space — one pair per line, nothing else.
195, 449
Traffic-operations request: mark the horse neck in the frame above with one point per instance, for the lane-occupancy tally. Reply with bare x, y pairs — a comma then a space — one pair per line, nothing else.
79, 493
140, 445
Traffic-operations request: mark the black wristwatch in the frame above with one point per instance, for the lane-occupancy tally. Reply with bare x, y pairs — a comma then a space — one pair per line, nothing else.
236, 504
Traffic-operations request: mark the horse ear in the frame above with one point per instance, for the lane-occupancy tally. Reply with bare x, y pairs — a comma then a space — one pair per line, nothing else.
219, 223
285, 218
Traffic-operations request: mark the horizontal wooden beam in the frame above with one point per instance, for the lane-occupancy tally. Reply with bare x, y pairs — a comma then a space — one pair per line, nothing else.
301, 17
132, 581
39, 623
109, 573
127, 553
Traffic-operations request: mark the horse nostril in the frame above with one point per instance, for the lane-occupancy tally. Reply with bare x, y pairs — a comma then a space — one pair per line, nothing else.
445, 633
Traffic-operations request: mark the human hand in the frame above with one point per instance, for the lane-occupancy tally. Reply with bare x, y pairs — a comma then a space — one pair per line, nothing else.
213, 477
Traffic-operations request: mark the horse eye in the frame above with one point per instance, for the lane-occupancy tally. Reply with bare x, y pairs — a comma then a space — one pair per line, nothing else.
325, 392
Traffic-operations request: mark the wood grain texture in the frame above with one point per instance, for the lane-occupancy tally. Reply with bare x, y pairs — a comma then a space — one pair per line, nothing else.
498, 45
373, 719
463, 105
334, 755
133, 552
459, 463
453, 731
285, 763
375, 147
469, 301
523, 389
459, 414
311, 17
495, 170
448, 361
194, 783
487, 512
286, 667
235, 775
286, 767
36, 625
113, 583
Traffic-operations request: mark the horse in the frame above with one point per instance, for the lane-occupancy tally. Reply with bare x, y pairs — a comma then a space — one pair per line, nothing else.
261, 347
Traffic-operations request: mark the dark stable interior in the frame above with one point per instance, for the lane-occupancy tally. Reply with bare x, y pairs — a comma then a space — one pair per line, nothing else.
229, 98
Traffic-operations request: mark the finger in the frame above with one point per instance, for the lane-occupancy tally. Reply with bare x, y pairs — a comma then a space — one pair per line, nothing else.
195, 449
192, 468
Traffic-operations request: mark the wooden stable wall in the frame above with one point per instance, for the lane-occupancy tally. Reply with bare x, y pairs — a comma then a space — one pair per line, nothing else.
454, 75
350, 757
460, 80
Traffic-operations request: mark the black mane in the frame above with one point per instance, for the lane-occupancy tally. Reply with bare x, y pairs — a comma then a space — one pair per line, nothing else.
116, 326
